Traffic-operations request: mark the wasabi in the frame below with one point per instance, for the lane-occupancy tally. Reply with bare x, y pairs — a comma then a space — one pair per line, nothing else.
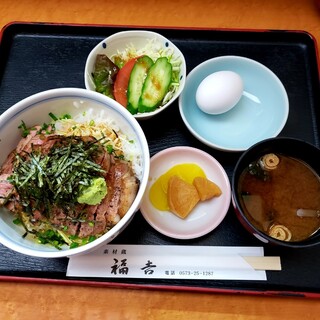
94, 193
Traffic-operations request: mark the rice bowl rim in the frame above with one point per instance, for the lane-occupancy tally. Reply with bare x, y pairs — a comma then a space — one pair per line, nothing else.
81, 94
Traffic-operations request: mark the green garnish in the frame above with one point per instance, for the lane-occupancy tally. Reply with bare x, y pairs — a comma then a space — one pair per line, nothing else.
53, 116
92, 238
74, 245
17, 221
25, 130
109, 148
73, 237
51, 237
66, 116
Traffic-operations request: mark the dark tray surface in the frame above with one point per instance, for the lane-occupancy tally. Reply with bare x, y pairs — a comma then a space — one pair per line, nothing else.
37, 57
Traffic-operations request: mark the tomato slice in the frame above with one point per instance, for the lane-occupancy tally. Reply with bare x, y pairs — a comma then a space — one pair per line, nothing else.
122, 80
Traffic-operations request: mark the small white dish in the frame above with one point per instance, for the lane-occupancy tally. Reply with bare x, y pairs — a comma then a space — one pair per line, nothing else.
261, 113
207, 215
139, 39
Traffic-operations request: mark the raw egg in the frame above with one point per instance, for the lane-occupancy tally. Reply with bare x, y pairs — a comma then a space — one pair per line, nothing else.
158, 191
219, 92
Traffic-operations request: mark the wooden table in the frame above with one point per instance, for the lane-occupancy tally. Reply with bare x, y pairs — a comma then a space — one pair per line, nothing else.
25, 300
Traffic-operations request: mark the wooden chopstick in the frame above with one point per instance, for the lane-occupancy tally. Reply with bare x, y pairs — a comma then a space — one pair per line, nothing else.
264, 263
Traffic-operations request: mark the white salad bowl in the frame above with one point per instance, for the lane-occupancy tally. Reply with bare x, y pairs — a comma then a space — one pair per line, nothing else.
35, 110
143, 42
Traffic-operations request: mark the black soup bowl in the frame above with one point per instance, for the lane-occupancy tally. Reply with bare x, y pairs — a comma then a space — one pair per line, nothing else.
272, 200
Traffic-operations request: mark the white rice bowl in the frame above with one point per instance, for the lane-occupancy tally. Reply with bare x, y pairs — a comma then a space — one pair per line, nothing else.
83, 105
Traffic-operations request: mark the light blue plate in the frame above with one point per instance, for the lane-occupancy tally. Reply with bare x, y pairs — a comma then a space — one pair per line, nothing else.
251, 120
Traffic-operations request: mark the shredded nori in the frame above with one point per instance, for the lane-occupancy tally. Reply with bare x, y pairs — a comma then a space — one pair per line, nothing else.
44, 180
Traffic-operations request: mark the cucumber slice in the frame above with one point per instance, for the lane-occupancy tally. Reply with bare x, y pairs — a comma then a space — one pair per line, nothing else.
156, 85
136, 80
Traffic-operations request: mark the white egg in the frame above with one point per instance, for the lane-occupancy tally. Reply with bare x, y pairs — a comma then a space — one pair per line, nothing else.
219, 92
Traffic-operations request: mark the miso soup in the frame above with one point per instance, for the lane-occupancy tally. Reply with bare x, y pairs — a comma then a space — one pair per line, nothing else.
280, 195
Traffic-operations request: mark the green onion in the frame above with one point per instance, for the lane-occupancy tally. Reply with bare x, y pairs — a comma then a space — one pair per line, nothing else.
66, 116
92, 238
74, 245
55, 118
25, 130
50, 237
17, 221
109, 148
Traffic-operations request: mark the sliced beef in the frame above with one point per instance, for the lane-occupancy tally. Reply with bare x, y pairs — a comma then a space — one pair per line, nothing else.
33, 138
6, 188
84, 220
87, 227
122, 190
129, 188
7, 167
61, 220
104, 159
45, 144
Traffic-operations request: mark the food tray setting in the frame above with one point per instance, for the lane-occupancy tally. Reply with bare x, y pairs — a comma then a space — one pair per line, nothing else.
37, 57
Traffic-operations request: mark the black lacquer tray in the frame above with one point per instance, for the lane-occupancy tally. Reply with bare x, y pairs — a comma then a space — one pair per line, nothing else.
36, 57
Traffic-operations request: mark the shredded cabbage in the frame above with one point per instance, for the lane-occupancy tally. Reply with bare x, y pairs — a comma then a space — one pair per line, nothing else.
154, 49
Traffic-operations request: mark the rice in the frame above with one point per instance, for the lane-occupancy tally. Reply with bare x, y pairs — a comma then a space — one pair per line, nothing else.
99, 125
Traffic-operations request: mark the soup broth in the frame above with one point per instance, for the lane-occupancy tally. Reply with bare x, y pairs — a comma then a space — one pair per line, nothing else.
280, 195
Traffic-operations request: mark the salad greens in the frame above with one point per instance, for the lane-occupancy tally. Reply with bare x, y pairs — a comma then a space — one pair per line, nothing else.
126, 87
104, 75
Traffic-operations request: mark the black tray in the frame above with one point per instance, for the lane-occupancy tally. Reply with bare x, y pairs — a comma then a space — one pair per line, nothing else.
37, 57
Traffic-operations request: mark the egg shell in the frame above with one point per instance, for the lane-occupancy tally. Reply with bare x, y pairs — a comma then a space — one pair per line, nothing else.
219, 92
